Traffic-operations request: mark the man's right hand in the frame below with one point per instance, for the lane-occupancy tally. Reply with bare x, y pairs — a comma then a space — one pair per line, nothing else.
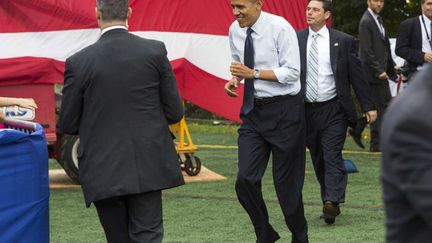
383, 76
371, 116
232, 86
428, 57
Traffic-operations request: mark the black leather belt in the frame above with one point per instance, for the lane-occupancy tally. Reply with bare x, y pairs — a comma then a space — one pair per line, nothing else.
273, 99
319, 104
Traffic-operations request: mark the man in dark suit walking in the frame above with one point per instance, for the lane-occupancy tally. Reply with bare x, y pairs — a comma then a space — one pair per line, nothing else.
406, 172
414, 38
378, 65
329, 66
119, 96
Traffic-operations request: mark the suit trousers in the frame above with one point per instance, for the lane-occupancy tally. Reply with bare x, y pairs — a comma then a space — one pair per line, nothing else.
326, 126
133, 218
278, 129
381, 96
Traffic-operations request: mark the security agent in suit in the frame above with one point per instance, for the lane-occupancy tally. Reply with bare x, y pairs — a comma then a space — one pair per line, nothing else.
265, 52
406, 171
378, 65
414, 38
119, 96
329, 67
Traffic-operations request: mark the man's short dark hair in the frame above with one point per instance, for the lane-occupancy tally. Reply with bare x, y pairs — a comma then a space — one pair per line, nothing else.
423, 1
327, 4
113, 10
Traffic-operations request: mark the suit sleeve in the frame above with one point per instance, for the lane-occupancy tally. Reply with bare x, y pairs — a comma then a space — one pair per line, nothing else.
403, 46
411, 152
71, 107
366, 43
358, 81
170, 99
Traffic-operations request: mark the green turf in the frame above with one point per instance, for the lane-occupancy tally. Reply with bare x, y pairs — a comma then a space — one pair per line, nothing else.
209, 211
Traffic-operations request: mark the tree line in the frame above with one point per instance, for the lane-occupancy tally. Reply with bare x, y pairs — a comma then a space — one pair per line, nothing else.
347, 14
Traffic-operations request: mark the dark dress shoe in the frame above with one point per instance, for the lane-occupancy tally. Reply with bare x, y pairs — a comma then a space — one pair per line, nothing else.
330, 211
356, 132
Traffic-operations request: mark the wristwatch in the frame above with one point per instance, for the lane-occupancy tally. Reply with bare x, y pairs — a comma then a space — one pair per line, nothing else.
256, 74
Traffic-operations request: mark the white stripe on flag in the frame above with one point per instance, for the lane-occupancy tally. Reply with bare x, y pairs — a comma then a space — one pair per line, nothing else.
210, 53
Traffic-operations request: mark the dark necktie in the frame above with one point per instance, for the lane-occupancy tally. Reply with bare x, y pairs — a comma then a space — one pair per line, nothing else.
248, 97
381, 26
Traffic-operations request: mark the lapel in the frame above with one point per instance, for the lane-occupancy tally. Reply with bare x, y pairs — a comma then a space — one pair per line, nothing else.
417, 30
377, 29
334, 49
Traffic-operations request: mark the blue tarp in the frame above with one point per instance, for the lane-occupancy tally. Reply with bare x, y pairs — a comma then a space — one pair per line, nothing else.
24, 187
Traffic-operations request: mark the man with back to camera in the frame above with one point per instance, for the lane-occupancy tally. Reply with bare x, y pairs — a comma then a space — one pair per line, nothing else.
406, 169
377, 62
265, 55
329, 67
119, 96
414, 39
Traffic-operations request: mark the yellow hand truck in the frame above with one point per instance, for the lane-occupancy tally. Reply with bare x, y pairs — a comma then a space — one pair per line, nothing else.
185, 148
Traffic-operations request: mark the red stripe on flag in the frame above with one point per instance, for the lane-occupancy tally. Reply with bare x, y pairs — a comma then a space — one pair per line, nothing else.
30, 70
192, 16
206, 90
195, 84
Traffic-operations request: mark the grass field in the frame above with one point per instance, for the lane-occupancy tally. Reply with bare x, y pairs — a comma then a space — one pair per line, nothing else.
209, 211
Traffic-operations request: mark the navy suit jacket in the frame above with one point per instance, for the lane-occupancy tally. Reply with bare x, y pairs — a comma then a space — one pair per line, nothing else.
119, 96
346, 68
409, 42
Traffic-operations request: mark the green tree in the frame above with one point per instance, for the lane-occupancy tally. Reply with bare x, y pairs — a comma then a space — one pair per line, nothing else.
347, 14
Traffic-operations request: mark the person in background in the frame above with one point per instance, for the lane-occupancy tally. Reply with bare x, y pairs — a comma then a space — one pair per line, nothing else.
414, 39
119, 96
21, 102
378, 65
406, 169
265, 55
329, 68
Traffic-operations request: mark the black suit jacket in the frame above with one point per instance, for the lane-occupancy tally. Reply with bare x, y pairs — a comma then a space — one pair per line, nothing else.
119, 96
409, 42
406, 171
346, 70
375, 51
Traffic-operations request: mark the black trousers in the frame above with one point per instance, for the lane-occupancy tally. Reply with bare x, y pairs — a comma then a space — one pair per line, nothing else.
381, 96
133, 218
326, 126
276, 128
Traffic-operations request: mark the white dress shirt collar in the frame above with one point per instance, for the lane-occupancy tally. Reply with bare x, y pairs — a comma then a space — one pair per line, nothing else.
112, 28
259, 24
323, 32
426, 20
373, 13
375, 16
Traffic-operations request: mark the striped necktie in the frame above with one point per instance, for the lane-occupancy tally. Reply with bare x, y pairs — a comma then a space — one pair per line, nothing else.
312, 71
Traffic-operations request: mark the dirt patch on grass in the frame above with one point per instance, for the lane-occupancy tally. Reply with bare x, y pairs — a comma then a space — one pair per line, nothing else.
59, 179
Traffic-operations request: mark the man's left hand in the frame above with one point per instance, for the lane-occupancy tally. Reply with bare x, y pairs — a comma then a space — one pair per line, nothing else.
371, 116
239, 70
